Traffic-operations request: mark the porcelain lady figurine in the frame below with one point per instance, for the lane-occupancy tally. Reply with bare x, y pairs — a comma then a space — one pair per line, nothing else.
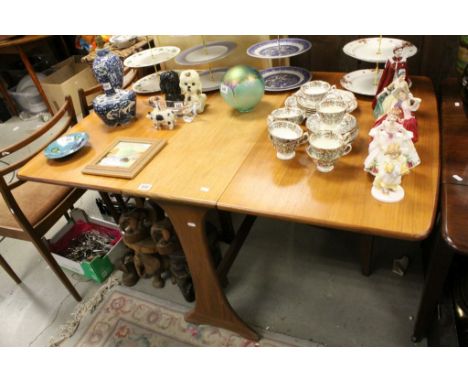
385, 99
388, 133
389, 74
386, 186
403, 109
407, 104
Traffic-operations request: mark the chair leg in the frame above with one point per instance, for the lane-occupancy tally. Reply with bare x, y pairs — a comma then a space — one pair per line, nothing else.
9, 270
47, 256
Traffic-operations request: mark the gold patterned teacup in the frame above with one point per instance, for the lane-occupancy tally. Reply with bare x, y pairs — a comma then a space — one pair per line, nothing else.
286, 136
291, 114
332, 111
325, 148
315, 90
347, 128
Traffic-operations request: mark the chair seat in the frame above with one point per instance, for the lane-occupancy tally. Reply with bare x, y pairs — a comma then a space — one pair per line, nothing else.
36, 200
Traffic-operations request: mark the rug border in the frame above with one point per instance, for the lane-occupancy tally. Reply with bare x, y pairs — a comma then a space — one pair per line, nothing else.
284, 339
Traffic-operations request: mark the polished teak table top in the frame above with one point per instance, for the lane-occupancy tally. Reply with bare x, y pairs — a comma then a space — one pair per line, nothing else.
224, 159
196, 165
295, 190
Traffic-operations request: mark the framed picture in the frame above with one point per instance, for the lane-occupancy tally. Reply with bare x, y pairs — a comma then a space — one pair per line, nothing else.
125, 157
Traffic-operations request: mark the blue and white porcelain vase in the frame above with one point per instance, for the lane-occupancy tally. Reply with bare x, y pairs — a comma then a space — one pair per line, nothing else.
117, 108
108, 70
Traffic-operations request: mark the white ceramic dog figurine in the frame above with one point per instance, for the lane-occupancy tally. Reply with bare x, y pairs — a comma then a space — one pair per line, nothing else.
162, 118
191, 87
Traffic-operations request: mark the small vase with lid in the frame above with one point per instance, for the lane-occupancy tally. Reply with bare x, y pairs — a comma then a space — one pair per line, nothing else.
107, 68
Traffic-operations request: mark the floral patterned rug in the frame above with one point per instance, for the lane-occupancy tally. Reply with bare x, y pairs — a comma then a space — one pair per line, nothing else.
127, 320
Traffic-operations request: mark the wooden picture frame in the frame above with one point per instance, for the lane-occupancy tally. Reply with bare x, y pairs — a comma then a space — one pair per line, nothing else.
125, 157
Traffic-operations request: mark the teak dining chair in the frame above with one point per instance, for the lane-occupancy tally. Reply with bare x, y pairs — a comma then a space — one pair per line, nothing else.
129, 76
29, 209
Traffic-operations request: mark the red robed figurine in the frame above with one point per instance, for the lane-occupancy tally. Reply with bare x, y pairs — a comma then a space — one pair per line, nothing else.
391, 69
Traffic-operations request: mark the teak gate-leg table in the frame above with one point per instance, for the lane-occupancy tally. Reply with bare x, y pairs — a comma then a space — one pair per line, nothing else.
186, 178
224, 160
295, 191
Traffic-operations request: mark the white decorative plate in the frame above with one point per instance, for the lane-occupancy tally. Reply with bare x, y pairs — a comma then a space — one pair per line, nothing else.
150, 57
203, 54
362, 81
367, 49
147, 84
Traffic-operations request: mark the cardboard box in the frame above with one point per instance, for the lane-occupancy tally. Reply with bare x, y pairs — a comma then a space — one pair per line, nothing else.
100, 267
69, 76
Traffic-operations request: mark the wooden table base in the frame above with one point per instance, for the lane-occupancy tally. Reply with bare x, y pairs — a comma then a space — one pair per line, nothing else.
211, 305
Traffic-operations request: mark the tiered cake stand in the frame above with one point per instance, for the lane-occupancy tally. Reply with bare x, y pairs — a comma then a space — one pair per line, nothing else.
206, 53
148, 58
375, 50
282, 78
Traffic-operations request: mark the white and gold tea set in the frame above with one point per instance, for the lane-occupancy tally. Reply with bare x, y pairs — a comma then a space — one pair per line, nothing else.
331, 129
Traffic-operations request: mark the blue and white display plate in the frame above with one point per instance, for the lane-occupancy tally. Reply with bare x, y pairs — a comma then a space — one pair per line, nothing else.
282, 78
203, 54
279, 48
66, 145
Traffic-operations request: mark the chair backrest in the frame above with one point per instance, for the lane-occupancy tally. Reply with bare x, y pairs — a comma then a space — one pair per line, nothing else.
129, 77
66, 112
34, 230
